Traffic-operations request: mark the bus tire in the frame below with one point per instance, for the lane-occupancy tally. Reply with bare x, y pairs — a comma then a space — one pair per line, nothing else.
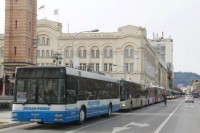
40, 122
109, 110
82, 116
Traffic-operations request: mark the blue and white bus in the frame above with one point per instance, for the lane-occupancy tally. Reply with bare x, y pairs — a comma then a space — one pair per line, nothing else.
62, 94
132, 95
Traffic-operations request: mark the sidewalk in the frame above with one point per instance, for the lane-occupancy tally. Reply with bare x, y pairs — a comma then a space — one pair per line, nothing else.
5, 119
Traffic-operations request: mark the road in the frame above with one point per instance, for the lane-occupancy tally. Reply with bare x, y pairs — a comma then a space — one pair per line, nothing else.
176, 117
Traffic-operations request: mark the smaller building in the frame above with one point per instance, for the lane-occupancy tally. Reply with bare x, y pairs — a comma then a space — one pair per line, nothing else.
196, 85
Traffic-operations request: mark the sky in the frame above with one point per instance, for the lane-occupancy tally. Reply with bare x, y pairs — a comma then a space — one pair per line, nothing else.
179, 19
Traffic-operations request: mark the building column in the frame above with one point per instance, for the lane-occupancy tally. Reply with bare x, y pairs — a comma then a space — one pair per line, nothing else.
122, 61
101, 62
114, 60
88, 57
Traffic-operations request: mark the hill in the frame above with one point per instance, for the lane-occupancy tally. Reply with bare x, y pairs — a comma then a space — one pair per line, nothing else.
184, 78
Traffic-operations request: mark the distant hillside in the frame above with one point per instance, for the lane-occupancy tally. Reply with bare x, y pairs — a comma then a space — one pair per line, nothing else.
184, 78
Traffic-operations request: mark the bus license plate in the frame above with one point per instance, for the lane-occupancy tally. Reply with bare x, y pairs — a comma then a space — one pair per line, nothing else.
36, 120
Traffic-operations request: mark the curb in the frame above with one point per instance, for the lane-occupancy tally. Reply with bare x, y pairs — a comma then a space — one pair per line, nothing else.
6, 125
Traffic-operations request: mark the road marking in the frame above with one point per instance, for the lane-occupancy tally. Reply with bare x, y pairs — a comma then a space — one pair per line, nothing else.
95, 124
127, 126
167, 119
189, 106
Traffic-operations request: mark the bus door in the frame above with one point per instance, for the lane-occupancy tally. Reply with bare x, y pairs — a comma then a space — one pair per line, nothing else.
72, 110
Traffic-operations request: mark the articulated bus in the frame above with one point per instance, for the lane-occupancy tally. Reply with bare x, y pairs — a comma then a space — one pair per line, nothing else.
62, 94
132, 95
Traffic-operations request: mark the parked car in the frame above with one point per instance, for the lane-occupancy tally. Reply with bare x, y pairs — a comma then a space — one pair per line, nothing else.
195, 95
189, 98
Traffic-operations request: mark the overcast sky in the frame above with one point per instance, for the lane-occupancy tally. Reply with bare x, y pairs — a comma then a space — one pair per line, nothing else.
179, 19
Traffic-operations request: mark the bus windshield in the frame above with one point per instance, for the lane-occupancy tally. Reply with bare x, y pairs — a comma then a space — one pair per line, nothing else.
40, 86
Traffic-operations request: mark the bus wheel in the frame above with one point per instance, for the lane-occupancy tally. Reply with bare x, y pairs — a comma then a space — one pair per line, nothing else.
40, 122
81, 116
109, 110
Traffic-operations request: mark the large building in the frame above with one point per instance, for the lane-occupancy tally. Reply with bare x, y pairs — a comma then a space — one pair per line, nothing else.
123, 54
164, 48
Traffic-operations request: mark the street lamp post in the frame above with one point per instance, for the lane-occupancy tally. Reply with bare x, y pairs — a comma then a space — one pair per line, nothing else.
35, 43
72, 59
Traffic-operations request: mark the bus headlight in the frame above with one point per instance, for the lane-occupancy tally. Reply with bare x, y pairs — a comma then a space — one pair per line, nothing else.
58, 115
123, 105
14, 114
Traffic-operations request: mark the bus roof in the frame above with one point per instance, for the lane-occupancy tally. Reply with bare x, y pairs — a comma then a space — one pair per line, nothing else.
76, 72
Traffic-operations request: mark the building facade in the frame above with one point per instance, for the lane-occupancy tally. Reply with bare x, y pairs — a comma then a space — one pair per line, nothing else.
164, 48
125, 54
122, 54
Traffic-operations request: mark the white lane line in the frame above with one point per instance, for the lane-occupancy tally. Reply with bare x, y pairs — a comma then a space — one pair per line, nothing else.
167, 119
95, 124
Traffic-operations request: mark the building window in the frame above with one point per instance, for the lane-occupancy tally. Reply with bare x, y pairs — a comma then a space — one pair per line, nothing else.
71, 53
131, 53
90, 67
29, 52
126, 67
48, 41
84, 66
84, 53
97, 54
43, 40
105, 67
79, 53
105, 53
30, 26
92, 54
47, 53
97, 66
131, 67
67, 64
38, 53
15, 24
15, 51
110, 67
43, 53
110, 53
126, 53
67, 53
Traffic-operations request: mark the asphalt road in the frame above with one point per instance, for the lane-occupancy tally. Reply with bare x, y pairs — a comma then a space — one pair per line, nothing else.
176, 117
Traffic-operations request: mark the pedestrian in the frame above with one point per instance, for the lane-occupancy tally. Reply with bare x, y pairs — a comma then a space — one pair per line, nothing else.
164, 97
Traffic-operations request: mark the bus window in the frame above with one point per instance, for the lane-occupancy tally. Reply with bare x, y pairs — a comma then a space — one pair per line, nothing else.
72, 86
